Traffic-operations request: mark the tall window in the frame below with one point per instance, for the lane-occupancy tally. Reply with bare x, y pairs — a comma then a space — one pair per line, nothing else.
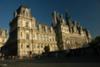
21, 45
27, 24
27, 36
21, 34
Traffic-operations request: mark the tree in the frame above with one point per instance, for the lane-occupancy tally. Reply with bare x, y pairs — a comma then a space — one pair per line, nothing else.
95, 41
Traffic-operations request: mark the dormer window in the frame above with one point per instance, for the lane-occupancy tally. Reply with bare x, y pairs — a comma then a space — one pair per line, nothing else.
23, 11
27, 12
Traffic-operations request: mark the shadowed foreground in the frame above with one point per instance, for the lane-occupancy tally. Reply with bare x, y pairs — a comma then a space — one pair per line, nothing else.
31, 64
83, 57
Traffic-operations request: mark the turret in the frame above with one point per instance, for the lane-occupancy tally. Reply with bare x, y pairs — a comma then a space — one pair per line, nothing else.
57, 18
54, 18
75, 30
68, 18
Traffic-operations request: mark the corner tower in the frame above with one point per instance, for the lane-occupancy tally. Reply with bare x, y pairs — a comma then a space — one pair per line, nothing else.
20, 40
25, 23
56, 23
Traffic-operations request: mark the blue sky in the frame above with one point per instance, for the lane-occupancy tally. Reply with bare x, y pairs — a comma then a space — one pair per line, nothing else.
87, 12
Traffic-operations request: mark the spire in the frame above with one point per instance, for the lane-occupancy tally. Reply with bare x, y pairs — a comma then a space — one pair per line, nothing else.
54, 18
67, 16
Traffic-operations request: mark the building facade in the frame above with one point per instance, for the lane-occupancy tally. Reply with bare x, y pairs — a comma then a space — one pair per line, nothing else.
28, 37
69, 33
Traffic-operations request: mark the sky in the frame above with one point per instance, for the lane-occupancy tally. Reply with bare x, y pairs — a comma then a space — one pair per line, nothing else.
87, 12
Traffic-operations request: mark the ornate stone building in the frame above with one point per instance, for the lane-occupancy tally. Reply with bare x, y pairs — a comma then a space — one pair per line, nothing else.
28, 37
